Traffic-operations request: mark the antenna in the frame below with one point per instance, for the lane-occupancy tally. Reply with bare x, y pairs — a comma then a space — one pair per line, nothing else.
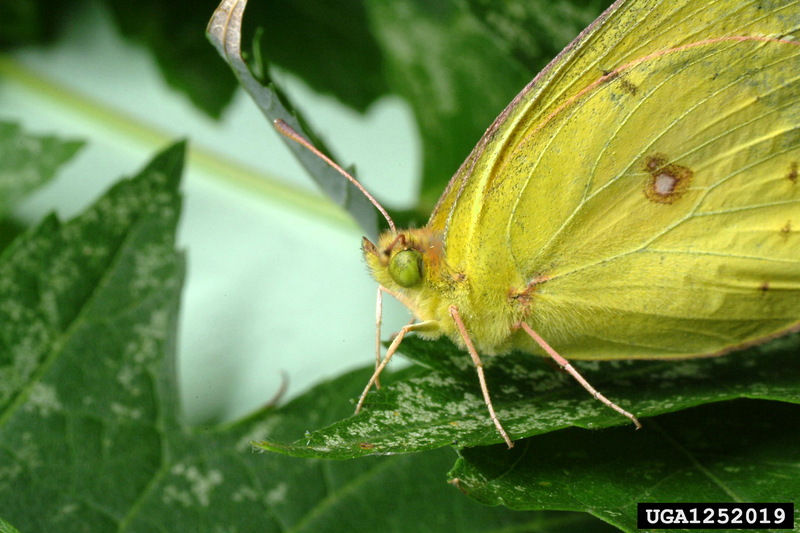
289, 132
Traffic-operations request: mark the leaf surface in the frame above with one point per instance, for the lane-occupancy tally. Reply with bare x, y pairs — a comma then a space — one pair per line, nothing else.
28, 161
742, 451
443, 405
225, 33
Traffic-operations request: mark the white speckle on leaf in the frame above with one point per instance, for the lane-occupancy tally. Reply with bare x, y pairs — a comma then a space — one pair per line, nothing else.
590, 366
335, 441
173, 494
149, 262
683, 370
28, 453
145, 348
548, 381
759, 389
457, 408
95, 251
507, 389
43, 400
243, 494
123, 411
66, 512
12, 310
49, 306
126, 377
9, 474
200, 485
278, 494
26, 355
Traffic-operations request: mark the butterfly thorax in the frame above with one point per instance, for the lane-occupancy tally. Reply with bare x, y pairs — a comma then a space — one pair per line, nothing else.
413, 266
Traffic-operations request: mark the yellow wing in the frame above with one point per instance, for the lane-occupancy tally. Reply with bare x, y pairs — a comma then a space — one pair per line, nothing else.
642, 193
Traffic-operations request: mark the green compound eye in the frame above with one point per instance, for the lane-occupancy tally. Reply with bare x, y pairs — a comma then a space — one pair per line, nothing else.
406, 268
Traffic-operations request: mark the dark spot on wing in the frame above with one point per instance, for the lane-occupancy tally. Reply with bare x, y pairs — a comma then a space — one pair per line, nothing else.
628, 86
654, 162
786, 229
666, 182
793, 173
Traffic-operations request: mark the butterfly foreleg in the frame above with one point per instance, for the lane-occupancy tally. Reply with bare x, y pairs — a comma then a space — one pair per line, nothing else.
481, 377
386, 358
567, 366
378, 322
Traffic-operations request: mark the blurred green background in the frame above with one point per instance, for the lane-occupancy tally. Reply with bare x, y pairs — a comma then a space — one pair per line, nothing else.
274, 284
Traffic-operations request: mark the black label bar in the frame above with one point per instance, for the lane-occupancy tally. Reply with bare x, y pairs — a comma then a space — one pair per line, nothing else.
715, 516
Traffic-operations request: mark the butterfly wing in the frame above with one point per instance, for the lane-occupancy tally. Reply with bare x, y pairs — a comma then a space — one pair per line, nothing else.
624, 32
642, 193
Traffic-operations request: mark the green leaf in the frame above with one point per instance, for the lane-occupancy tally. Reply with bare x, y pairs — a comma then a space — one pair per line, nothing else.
443, 406
743, 451
28, 161
86, 310
328, 44
334, 496
91, 437
534, 31
215, 481
172, 31
5, 527
225, 32
460, 63
31, 21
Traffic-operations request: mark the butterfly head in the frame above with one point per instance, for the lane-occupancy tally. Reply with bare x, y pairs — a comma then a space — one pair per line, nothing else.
402, 261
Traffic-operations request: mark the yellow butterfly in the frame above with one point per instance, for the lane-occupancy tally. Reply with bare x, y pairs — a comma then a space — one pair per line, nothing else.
638, 199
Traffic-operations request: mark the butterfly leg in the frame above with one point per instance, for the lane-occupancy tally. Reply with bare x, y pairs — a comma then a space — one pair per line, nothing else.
378, 321
481, 377
385, 361
378, 324
566, 365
